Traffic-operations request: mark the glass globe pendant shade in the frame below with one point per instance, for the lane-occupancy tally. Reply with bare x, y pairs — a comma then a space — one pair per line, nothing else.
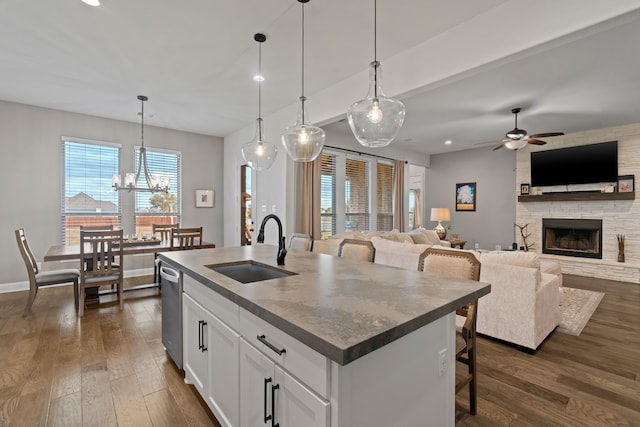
516, 144
303, 141
258, 153
376, 120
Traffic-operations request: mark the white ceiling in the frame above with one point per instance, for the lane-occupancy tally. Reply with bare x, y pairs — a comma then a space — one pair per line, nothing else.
195, 61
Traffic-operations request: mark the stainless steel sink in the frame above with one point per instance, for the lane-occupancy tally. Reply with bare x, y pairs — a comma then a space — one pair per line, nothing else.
249, 271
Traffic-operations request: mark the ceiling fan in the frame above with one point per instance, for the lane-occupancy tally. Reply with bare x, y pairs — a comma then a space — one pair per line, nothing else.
517, 138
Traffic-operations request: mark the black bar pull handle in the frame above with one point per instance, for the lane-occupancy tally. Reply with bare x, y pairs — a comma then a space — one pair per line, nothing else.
202, 328
266, 417
263, 340
200, 334
273, 405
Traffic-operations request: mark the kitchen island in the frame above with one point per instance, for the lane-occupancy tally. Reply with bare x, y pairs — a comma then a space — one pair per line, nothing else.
336, 343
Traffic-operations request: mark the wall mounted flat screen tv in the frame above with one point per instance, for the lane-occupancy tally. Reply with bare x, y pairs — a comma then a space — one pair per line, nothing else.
584, 164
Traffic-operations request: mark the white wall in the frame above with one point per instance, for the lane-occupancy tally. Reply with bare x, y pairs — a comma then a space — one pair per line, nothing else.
31, 171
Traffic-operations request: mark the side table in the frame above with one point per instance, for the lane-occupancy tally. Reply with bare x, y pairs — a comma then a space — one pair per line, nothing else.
456, 242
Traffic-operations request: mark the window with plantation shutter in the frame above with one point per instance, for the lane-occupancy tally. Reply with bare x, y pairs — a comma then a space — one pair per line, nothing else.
87, 196
158, 208
384, 196
356, 192
327, 195
349, 185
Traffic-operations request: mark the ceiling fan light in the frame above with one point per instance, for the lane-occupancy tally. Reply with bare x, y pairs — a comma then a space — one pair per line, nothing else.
516, 144
516, 134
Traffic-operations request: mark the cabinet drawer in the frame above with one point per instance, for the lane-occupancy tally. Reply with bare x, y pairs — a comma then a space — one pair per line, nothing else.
302, 362
222, 308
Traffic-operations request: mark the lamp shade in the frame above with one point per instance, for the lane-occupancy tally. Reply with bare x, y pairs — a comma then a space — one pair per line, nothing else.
440, 214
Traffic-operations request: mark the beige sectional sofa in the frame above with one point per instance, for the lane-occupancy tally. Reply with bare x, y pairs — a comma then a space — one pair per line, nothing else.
523, 307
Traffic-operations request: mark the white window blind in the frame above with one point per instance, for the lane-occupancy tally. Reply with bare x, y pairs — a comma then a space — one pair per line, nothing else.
87, 196
158, 208
327, 195
384, 196
356, 192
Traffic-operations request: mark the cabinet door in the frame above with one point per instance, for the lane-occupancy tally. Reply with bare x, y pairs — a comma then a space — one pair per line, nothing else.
256, 380
224, 375
296, 405
195, 352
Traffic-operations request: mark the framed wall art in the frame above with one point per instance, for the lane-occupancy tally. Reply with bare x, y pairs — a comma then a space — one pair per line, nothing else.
466, 196
625, 184
524, 189
204, 198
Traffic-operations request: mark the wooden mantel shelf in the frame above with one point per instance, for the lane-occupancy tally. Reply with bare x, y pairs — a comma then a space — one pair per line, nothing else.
577, 196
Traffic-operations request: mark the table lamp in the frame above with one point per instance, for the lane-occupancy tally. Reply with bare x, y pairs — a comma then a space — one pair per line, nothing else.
440, 214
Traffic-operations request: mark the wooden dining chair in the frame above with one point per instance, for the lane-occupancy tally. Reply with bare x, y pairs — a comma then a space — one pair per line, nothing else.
38, 279
162, 232
186, 238
463, 265
98, 249
362, 250
300, 241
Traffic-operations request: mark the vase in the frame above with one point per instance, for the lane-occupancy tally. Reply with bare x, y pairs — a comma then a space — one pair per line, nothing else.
620, 256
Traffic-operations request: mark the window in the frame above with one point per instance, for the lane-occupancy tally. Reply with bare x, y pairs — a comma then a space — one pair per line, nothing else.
346, 193
158, 208
87, 195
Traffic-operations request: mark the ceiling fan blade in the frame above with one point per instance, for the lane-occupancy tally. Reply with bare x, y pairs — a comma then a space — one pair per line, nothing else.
536, 141
498, 147
545, 135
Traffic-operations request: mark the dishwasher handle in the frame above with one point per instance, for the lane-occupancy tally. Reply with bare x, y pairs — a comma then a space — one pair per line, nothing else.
169, 274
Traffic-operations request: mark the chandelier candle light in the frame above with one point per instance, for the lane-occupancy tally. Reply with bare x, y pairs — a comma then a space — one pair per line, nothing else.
155, 183
259, 153
303, 141
440, 214
376, 120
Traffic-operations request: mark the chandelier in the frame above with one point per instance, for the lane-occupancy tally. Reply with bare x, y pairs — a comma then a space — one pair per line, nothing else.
154, 183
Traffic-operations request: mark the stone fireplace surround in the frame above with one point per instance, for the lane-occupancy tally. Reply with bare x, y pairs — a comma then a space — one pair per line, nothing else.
618, 216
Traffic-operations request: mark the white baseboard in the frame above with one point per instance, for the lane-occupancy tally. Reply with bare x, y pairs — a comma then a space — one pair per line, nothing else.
24, 286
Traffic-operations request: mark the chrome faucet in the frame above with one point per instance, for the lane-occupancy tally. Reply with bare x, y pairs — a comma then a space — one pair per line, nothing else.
282, 252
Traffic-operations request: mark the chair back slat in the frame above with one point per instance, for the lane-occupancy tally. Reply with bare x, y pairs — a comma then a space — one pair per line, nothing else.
163, 231
186, 238
98, 250
27, 254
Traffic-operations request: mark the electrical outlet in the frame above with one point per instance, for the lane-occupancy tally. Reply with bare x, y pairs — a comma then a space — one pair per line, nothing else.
273, 208
263, 208
442, 362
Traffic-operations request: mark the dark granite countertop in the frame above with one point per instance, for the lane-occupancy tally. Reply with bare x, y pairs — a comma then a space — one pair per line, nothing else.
340, 308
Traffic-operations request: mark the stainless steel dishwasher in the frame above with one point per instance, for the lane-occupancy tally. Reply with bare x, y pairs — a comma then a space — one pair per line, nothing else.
171, 285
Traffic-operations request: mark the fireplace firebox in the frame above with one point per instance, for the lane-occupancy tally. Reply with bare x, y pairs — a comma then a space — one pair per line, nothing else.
572, 237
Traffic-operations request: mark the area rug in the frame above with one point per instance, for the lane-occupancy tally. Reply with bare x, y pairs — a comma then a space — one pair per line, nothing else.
577, 307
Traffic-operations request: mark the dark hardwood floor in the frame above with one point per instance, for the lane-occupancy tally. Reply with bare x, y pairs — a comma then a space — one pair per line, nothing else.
110, 369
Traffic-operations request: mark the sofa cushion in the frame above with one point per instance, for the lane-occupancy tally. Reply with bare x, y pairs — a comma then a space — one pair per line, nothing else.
518, 258
424, 236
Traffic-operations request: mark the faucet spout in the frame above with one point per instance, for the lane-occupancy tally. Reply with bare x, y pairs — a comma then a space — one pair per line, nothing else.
282, 252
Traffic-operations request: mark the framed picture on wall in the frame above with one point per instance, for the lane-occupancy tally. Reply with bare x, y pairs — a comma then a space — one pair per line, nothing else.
204, 198
466, 196
524, 189
625, 184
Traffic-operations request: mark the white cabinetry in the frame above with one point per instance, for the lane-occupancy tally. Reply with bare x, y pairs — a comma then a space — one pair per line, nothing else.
211, 356
271, 396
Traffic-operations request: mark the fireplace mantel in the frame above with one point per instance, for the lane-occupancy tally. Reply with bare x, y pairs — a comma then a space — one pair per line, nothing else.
577, 196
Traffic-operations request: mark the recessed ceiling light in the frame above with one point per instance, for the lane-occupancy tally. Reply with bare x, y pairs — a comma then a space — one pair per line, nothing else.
258, 78
448, 142
92, 2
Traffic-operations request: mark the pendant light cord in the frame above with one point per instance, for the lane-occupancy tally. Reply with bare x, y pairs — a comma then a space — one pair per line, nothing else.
302, 97
260, 89
142, 127
375, 48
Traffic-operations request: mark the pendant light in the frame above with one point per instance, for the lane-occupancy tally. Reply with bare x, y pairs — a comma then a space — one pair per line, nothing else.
376, 120
303, 141
259, 153
154, 183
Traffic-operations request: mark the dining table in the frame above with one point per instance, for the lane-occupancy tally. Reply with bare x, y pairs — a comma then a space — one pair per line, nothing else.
129, 247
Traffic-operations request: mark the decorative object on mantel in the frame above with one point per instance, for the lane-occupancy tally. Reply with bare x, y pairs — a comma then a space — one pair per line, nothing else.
525, 236
440, 214
524, 189
625, 184
620, 247
154, 183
